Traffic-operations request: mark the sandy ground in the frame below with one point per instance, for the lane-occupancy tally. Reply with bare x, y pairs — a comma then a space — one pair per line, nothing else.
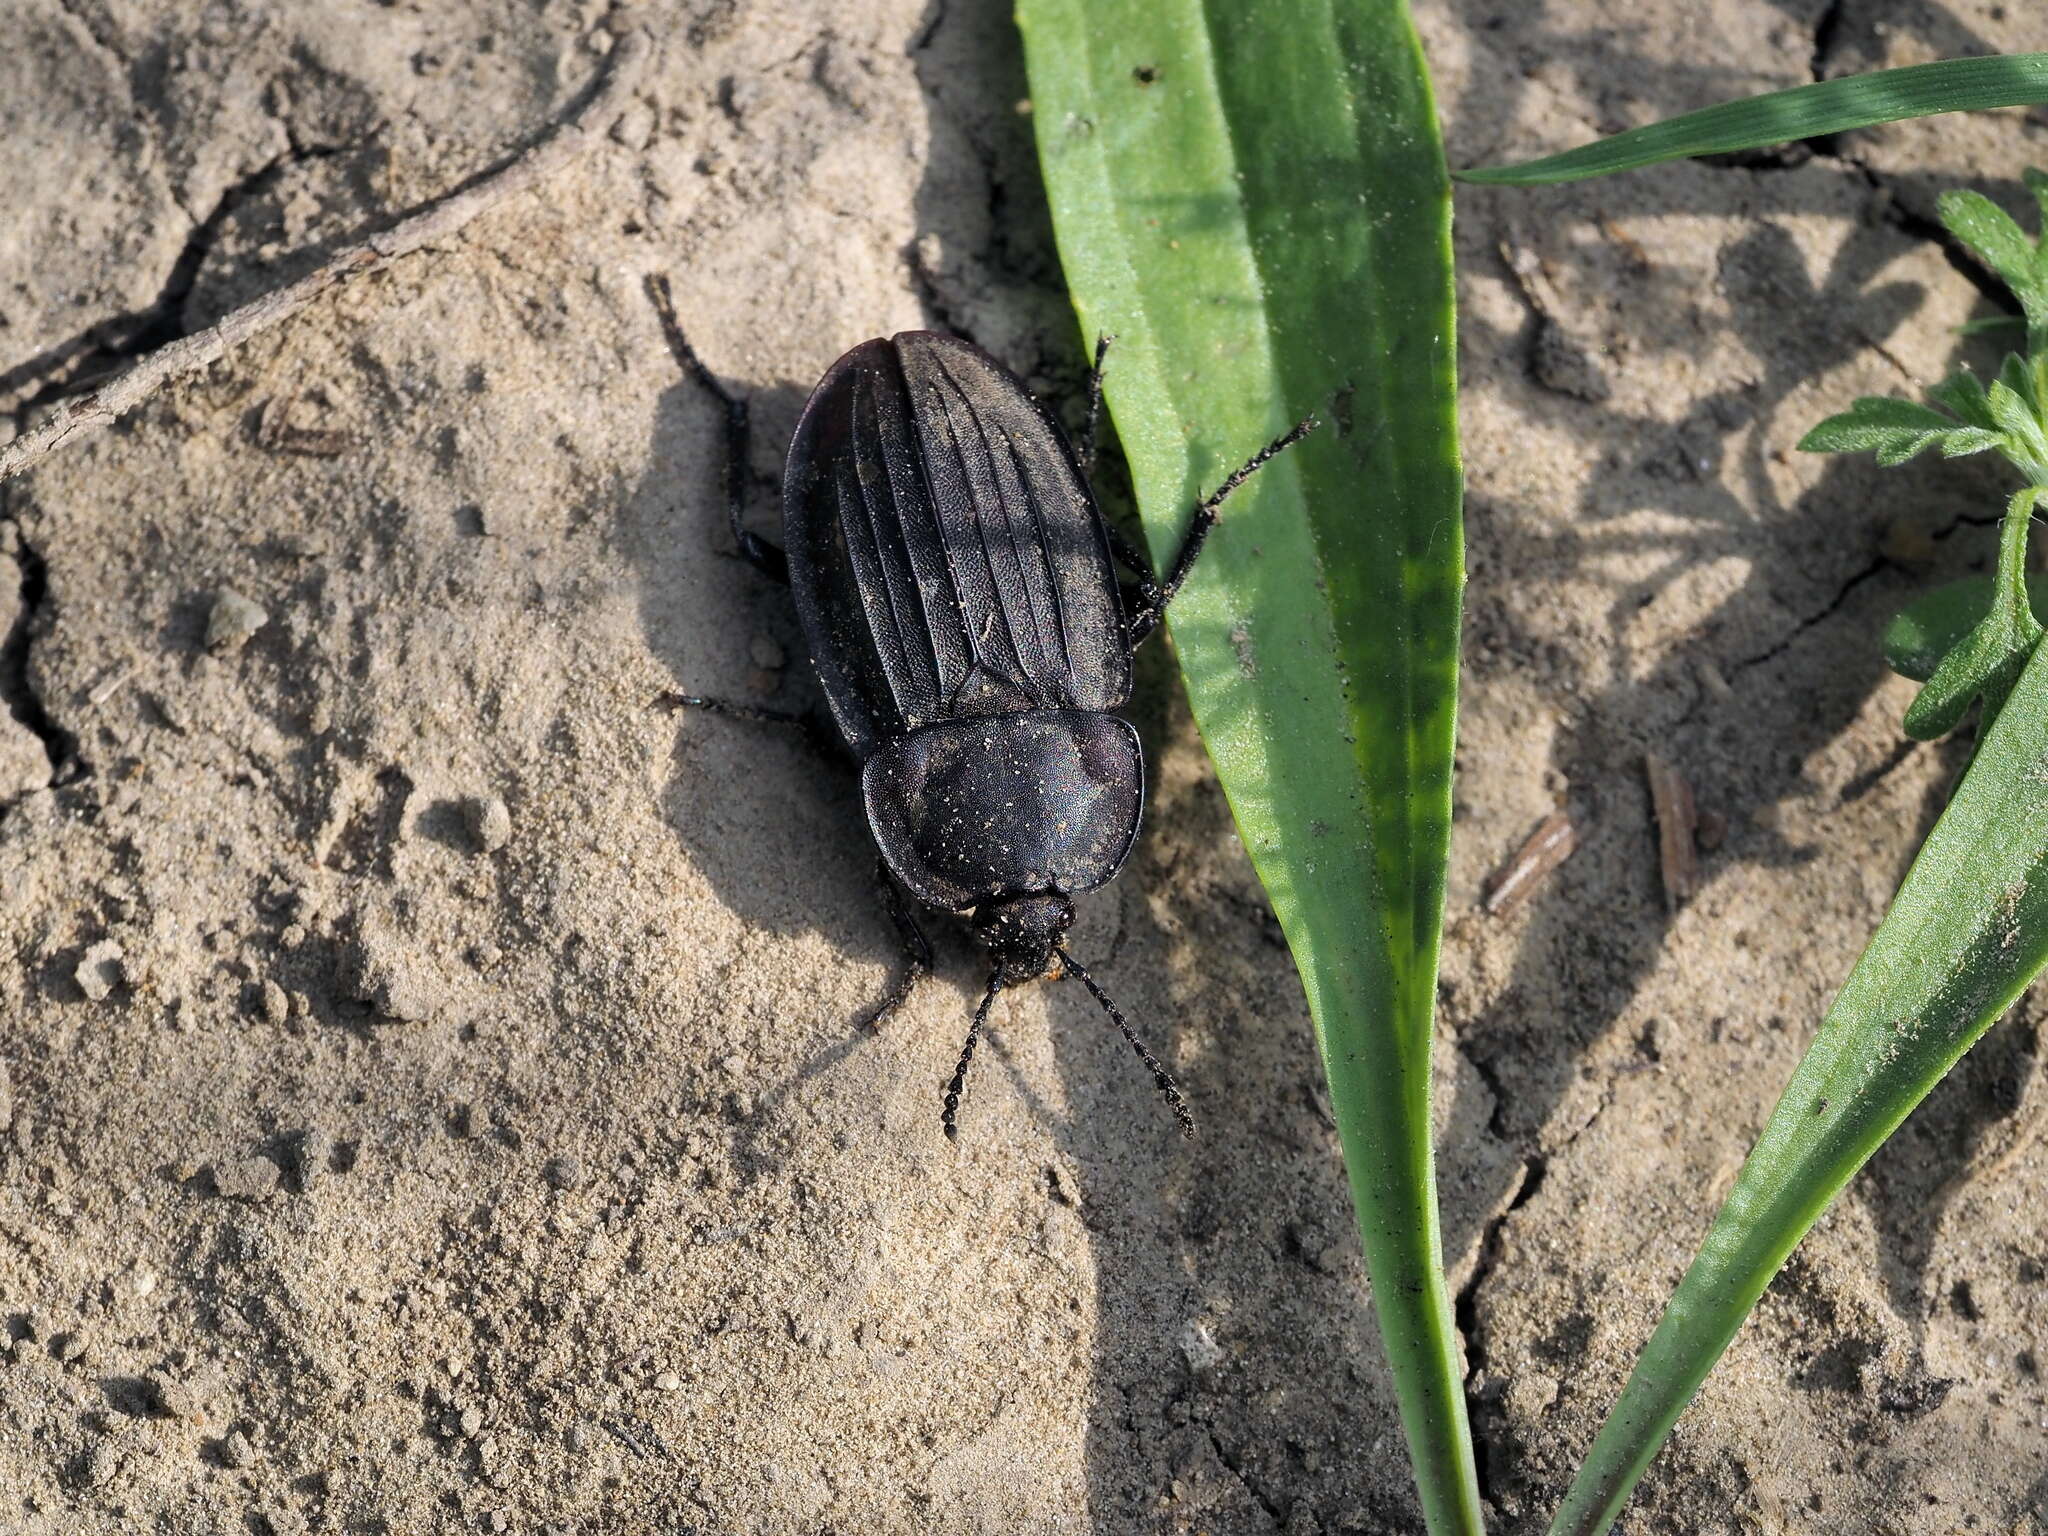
431, 1095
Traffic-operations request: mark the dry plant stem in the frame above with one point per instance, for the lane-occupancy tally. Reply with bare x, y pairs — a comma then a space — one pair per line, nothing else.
437, 221
1534, 862
1677, 827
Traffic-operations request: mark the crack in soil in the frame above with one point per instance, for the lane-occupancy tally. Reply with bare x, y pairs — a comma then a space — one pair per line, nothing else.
1258, 1495
76, 365
1465, 1306
1785, 642
17, 693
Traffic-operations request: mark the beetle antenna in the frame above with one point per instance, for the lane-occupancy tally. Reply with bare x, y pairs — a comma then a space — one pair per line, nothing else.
1169, 1090
951, 1116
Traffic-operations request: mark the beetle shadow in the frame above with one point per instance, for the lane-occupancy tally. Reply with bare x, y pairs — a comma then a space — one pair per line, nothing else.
769, 815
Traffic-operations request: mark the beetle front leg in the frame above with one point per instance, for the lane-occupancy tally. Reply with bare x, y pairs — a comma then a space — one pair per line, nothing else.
1150, 612
1087, 454
917, 949
763, 556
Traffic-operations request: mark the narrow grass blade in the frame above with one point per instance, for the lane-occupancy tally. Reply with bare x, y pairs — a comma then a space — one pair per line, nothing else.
1253, 201
1804, 112
1966, 934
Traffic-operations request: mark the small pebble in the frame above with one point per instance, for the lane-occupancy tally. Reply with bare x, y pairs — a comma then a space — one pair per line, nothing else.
99, 972
71, 1346
577, 1439
1201, 1349
245, 1178
564, 1172
277, 1006
668, 1381
237, 1452
490, 821
233, 620
472, 1423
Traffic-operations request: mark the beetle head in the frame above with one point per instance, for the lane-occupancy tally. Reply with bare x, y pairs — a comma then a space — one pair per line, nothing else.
1021, 932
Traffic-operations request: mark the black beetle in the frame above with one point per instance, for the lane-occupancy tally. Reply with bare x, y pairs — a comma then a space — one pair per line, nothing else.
957, 588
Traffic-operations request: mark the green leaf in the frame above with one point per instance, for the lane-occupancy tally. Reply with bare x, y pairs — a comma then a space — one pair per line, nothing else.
1997, 241
1985, 324
1989, 658
1895, 430
1966, 934
1960, 392
1804, 112
1992, 235
2014, 415
1253, 201
1934, 624
1961, 442
2016, 376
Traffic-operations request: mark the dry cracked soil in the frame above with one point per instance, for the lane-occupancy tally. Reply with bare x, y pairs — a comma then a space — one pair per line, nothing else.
432, 1095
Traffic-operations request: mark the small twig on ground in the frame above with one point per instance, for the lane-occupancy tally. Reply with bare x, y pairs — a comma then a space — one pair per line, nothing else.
1548, 846
1677, 827
437, 221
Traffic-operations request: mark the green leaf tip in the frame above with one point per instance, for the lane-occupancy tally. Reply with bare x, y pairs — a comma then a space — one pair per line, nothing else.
1936, 622
1803, 112
1995, 238
1897, 430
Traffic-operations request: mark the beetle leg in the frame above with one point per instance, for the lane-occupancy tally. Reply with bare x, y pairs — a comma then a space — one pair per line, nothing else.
755, 550
1147, 617
917, 949
950, 1117
806, 721
1087, 445
1130, 559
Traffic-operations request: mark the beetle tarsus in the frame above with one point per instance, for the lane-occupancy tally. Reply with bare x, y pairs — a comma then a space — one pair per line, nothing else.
755, 550
1147, 617
1087, 443
1169, 1090
917, 949
950, 1116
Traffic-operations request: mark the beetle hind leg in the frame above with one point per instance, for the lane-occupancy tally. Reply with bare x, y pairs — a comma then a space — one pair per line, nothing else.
755, 550
917, 949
